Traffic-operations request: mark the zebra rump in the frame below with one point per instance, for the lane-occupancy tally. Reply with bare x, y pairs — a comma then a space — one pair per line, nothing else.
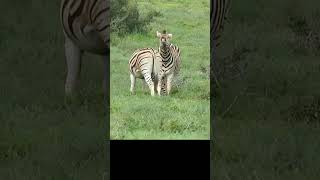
144, 64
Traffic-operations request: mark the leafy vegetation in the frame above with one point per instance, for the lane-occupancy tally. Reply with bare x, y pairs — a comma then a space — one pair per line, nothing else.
126, 17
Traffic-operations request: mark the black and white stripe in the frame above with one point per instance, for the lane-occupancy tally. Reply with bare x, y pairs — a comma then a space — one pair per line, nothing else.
218, 13
86, 26
170, 56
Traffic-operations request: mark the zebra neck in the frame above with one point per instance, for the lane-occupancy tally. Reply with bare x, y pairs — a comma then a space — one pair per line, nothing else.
165, 52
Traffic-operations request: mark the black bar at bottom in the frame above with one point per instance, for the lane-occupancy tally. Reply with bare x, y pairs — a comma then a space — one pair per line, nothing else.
163, 158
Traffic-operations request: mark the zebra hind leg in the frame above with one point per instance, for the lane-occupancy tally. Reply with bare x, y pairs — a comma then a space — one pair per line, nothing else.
160, 84
148, 79
73, 60
155, 85
133, 82
155, 82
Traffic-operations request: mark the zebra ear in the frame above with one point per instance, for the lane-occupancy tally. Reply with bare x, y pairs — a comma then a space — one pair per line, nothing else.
170, 36
158, 34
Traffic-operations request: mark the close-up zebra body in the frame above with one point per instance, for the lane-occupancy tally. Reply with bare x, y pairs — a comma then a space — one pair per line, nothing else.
170, 66
145, 64
218, 13
86, 27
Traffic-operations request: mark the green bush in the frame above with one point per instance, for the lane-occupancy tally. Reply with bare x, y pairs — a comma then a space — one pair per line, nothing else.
126, 18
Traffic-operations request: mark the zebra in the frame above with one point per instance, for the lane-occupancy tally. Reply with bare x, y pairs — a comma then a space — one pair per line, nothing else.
170, 66
218, 13
144, 64
86, 27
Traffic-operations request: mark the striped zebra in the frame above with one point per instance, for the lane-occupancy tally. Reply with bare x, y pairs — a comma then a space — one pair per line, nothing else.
144, 64
170, 56
86, 26
218, 13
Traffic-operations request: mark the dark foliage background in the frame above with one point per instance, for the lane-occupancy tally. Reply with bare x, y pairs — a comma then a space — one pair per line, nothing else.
41, 137
268, 95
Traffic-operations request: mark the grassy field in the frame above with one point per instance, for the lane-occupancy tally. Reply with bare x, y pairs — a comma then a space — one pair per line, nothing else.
41, 138
268, 103
184, 114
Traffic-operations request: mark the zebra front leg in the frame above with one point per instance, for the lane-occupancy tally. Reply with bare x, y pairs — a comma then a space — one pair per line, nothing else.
160, 84
133, 82
73, 60
169, 83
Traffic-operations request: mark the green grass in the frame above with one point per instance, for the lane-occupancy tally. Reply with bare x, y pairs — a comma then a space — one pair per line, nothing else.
41, 138
185, 114
271, 129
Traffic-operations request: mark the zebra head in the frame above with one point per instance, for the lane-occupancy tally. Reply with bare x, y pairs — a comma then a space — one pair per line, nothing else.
164, 38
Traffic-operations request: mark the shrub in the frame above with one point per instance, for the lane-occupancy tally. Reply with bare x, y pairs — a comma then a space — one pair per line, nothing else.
126, 18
